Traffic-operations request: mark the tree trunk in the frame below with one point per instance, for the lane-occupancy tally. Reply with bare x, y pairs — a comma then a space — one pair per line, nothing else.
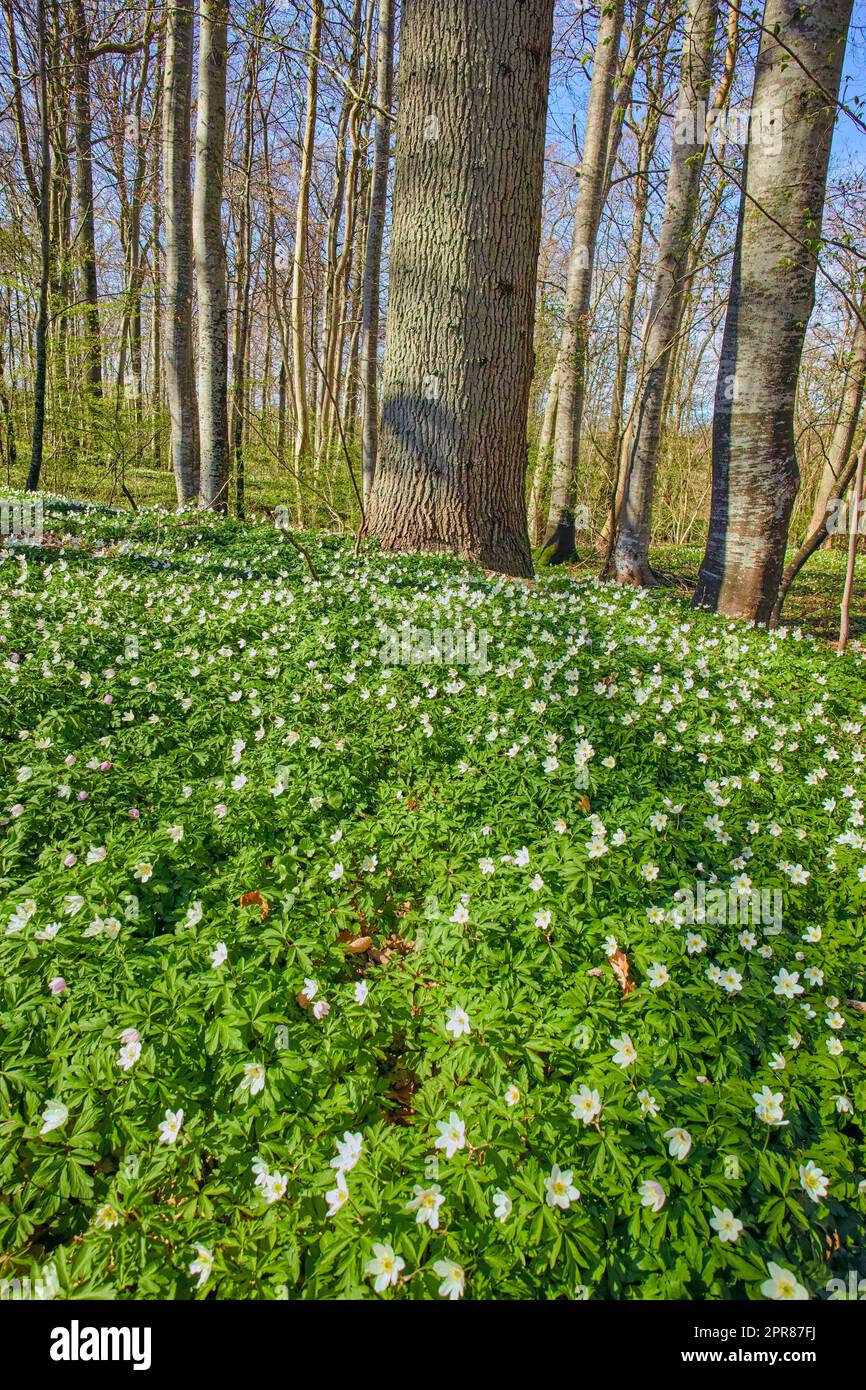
853, 537
375, 230
466, 233
86, 239
571, 359
299, 349
210, 258
846, 426
542, 461
755, 473
180, 387
631, 547
40, 343
240, 336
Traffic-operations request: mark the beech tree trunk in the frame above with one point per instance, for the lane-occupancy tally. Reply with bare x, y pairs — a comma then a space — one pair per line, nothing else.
179, 383
85, 237
466, 232
375, 230
40, 337
571, 359
299, 347
210, 259
755, 472
846, 426
631, 547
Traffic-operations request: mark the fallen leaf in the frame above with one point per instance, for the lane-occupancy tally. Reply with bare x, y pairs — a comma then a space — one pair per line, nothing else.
250, 899
619, 964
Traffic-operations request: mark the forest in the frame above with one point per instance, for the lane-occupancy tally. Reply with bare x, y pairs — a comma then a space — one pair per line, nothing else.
432, 626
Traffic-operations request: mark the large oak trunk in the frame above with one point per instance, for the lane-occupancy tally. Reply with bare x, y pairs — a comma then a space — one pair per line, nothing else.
466, 229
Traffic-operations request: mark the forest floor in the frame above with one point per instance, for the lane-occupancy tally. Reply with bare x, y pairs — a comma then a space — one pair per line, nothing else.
395, 930
813, 602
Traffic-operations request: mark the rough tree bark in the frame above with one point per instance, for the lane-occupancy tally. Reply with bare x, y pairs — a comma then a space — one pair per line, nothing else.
631, 546
571, 359
755, 472
466, 232
210, 258
179, 383
375, 230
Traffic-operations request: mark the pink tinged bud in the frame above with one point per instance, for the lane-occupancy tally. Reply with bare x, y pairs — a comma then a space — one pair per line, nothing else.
108, 699
134, 812
70, 861
105, 767
16, 810
57, 985
82, 796
71, 760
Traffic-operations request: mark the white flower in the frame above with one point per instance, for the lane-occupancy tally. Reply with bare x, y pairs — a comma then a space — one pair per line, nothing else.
652, 1195
624, 1053
426, 1204
54, 1115
501, 1206
561, 1191
106, 1217
218, 955
274, 1186
321, 1009
726, 1225
648, 1104
458, 1022
362, 989
452, 1134
348, 1152
129, 1054
453, 1279
512, 1096
587, 1105
310, 990
95, 854
193, 915
338, 1196
786, 984
768, 1105
202, 1265
253, 1078
460, 914
543, 918
814, 1181
143, 872
385, 1266
657, 975
336, 873
169, 1128
782, 1285
680, 1143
